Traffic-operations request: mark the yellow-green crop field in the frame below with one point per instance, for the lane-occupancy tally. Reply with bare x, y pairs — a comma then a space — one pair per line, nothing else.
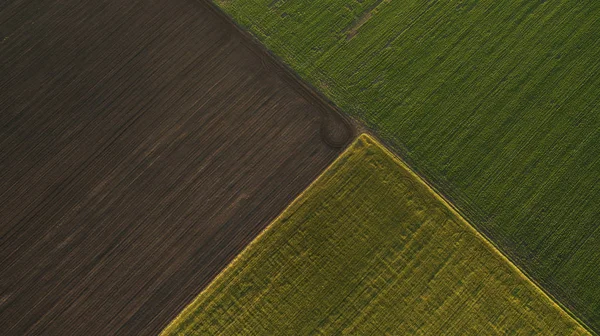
369, 249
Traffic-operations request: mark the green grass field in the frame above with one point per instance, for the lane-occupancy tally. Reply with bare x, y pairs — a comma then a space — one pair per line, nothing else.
369, 249
495, 102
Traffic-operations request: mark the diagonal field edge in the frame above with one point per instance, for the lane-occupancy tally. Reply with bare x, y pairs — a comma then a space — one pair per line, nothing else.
271, 61
487, 241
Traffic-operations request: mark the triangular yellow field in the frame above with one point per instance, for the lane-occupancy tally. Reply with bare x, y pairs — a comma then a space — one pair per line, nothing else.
369, 249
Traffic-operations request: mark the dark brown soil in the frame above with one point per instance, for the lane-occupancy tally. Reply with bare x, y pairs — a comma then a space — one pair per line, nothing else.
143, 144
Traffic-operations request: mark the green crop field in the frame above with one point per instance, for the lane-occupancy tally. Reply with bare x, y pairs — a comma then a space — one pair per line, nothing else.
496, 103
369, 249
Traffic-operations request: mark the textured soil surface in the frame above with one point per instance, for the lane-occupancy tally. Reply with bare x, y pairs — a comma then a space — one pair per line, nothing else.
143, 144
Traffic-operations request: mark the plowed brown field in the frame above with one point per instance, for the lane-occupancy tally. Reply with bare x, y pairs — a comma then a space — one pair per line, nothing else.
143, 144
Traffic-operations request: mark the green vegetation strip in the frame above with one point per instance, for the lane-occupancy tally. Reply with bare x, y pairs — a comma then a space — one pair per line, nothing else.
369, 249
497, 103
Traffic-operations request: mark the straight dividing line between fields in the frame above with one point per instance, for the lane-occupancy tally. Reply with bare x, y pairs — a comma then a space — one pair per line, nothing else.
327, 109
496, 249
248, 249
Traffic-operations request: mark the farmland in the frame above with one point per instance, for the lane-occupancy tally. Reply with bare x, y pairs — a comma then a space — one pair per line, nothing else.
369, 249
143, 144
496, 103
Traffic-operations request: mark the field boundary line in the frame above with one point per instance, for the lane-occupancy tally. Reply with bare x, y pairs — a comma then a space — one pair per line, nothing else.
313, 96
257, 240
487, 241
